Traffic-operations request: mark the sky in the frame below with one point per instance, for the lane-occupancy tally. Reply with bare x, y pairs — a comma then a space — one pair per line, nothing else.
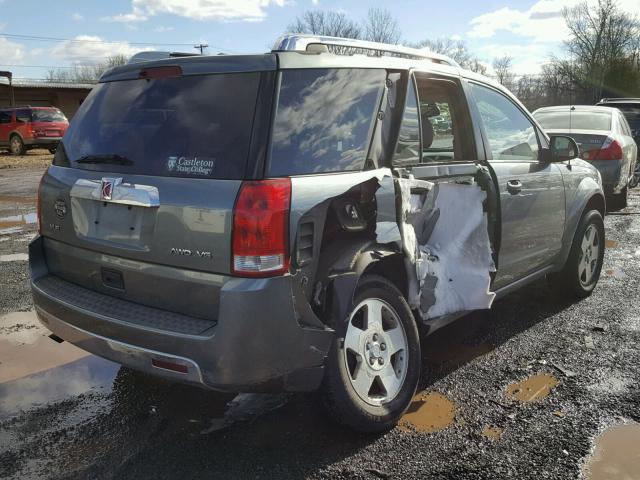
83, 32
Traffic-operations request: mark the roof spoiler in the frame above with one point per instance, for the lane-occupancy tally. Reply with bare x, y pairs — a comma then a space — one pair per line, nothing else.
152, 55
299, 42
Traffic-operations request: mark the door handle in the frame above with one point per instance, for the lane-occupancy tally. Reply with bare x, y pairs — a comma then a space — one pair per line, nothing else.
514, 187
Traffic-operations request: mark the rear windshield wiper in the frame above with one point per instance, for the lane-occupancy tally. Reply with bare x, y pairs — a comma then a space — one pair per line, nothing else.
108, 158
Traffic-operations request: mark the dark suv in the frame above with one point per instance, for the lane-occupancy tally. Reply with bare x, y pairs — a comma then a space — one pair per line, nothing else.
288, 221
24, 128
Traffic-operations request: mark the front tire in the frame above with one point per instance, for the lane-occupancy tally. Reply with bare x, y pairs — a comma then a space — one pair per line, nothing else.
581, 273
373, 366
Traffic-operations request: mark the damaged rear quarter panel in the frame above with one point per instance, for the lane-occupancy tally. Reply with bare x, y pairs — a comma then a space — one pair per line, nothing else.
439, 230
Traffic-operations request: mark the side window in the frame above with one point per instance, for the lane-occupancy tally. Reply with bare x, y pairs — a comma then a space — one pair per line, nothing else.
5, 117
408, 146
23, 116
444, 120
511, 134
324, 120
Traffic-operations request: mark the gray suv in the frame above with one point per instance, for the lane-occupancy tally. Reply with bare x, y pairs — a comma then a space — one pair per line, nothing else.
289, 221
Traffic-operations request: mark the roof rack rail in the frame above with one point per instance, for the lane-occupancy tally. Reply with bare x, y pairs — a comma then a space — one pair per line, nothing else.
617, 99
152, 55
302, 42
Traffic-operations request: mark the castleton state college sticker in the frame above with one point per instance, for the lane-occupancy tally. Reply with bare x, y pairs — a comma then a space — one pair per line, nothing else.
191, 165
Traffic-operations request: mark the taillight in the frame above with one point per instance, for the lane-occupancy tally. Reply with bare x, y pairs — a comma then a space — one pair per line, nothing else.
38, 207
610, 150
261, 228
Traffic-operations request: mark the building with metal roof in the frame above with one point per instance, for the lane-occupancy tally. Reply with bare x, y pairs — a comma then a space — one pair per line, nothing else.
41, 93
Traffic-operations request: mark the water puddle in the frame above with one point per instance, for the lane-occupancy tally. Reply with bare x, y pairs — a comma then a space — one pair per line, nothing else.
608, 243
428, 413
14, 257
616, 455
56, 384
16, 223
35, 370
533, 388
25, 347
492, 433
615, 272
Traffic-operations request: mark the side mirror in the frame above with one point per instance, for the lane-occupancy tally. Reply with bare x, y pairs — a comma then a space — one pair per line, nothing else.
561, 149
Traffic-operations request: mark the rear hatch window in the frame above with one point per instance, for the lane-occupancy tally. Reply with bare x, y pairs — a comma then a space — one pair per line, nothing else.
574, 120
192, 126
48, 115
324, 119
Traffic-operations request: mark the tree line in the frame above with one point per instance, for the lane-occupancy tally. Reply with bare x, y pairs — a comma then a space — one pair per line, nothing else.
600, 58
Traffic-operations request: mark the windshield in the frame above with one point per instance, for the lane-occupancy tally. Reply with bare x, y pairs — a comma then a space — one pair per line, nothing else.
576, 120
47, 115
192, 126
324, 119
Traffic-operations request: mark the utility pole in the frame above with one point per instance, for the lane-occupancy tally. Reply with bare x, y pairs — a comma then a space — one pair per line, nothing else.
201, 47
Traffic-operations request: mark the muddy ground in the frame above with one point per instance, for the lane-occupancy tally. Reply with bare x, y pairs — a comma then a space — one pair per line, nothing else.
65, 414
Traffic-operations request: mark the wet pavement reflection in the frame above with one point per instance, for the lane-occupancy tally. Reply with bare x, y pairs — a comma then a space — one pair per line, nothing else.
37, 370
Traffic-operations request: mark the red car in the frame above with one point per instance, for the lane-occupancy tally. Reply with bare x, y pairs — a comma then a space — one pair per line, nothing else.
24, 128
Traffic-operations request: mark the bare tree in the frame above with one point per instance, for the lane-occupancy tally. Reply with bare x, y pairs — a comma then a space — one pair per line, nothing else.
85, 73
603, 38
503, 71
456, 49
318, 22
381, 26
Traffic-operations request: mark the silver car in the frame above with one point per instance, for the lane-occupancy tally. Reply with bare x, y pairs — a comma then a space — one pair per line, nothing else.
287, 221
605, 140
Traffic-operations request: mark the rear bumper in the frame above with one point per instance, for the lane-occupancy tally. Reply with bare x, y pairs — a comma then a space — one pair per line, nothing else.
613, 179
257, 344
42, 141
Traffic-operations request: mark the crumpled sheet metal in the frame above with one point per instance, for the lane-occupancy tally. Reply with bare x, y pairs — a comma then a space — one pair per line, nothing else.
444, 229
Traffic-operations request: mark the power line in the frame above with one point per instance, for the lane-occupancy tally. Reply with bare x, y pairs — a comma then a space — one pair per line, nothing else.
80, 40
15, 36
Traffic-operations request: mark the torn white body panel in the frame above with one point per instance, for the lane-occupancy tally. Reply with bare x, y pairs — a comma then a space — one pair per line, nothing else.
445, 238
459, 252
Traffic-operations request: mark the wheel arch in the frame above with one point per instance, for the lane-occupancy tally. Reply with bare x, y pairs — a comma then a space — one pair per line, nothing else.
369, 259
587, 199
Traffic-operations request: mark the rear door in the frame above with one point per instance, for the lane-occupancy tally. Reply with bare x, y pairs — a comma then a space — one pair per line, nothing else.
437, 134
532, 197
140, 198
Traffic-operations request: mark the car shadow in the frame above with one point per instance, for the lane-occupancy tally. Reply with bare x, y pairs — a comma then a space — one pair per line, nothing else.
481, 332
177, 430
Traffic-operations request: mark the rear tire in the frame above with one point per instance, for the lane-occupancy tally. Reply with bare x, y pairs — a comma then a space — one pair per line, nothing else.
619, 201
16, 145
581, 273
373, 366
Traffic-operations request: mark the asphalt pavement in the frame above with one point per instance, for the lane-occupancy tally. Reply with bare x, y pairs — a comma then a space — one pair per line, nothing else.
522, 391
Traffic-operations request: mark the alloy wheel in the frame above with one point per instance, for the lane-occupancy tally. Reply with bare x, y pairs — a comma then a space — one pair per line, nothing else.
589, 255
375, 352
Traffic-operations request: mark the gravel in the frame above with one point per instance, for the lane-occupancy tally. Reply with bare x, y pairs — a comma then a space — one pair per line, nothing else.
121, 424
